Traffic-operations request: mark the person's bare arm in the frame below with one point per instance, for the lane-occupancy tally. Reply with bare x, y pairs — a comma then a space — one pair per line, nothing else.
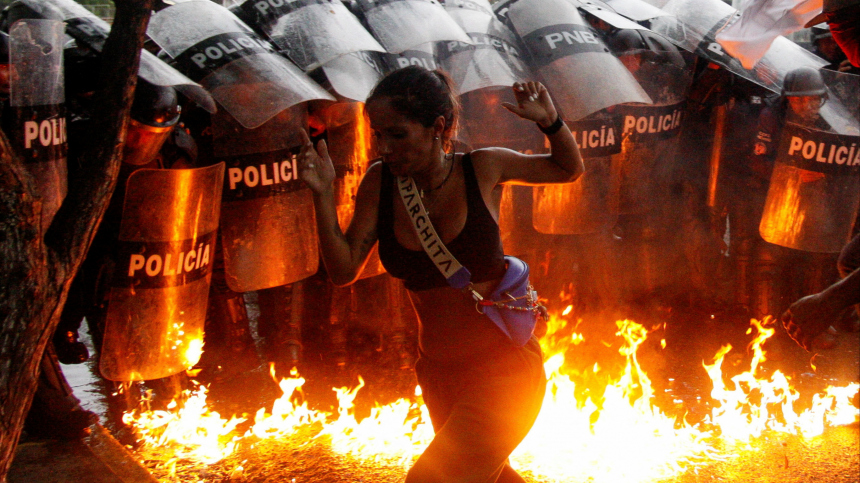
562, 165
813, 314
344, 254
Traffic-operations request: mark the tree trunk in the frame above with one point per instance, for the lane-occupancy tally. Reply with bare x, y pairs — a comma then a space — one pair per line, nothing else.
36, 272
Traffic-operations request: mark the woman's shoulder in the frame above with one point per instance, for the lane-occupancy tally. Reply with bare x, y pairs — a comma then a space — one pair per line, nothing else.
491, 155
373, 175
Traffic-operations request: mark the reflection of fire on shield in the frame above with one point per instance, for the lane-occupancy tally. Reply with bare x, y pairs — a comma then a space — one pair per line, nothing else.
159, 292
90, 30
486, 123
349, 142
590, 204
242, 72
268, 231
814, 191
37, 126
649, 132
570, 57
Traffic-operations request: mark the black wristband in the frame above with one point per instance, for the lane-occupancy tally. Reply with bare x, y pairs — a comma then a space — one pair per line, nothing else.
552, 128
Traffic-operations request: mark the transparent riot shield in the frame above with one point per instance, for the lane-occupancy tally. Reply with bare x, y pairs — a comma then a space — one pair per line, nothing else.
350, 143
636, 10
213, 47
268, 232
693, 25
573, 61
814, 191
37, 100
159, 291
650, 132
493, 59
424, 55
352, 76
590, 204
485, 123
310, 32
83, 26
401, 25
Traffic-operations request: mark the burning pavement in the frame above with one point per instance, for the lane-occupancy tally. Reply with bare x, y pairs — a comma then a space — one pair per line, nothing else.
708, 401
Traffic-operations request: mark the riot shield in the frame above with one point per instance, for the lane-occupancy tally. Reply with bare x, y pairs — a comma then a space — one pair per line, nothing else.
650, 132
423, 55
351, 149
37, 126
83, 26
693, 25
493, 58
352, 76
310, 32
485, 123
576, 66
590, 204
213, 47
401, 25
268, 232
159, 291
814, 191
636, 10
607, 14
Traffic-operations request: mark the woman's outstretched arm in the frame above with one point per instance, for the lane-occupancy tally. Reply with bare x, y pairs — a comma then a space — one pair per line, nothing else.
562, 165
344, 254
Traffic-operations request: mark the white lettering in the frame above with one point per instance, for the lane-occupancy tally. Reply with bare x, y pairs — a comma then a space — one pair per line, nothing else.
31, 132
135, 263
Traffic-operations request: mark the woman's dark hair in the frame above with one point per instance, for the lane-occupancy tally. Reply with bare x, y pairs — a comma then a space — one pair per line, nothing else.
421, 95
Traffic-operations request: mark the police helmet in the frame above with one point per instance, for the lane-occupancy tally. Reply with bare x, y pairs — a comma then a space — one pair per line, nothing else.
154, 113
18, 10
803, 81
650, 45
156, 106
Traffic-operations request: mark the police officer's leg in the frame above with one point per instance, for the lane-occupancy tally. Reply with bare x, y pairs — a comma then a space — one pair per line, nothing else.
280, 323
55, 411
228, 345
68, 348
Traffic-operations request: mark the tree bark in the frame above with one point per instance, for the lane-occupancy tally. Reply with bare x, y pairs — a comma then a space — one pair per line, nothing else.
36, 271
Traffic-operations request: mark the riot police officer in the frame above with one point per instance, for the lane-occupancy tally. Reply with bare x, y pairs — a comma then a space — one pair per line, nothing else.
55, 411
777, 269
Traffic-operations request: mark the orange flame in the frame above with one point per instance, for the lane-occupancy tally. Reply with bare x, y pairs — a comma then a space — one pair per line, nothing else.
572, 435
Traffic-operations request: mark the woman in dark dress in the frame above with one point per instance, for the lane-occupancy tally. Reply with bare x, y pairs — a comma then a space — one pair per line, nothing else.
483, 392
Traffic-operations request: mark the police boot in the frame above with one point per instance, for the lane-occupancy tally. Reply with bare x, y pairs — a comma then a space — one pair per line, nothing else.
55, 412
69, 349
280, 324
229, 348
765, 283
742, 254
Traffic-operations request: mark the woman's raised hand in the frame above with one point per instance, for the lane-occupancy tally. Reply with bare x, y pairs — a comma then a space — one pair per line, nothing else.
533, 103
315, 168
